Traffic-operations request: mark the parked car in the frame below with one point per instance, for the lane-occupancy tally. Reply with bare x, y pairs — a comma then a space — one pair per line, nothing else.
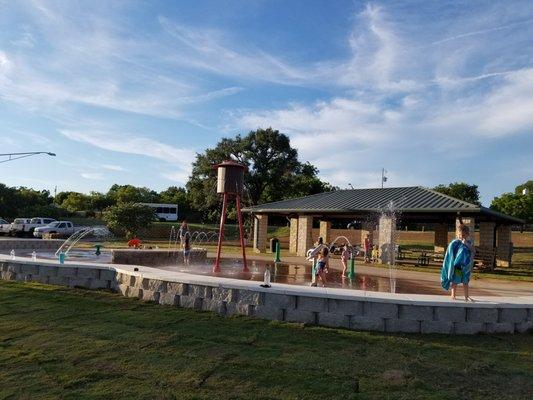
61, 228
5, 227
18, 226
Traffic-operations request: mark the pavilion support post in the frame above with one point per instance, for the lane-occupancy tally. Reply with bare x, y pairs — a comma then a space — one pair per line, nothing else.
305, 234
503, 243
487, 236
260, 233
293, 236
387, 239
487, 242
325, 231
441, 237
367, 228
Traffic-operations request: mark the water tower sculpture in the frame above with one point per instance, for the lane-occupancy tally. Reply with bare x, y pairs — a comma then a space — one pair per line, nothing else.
230, 183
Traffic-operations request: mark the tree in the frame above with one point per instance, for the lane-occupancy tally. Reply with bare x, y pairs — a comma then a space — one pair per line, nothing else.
100, 201
274, 171
76, 202
528, 185
9, 202
129, 219
132, 194
176, 195
516, 204
460, 190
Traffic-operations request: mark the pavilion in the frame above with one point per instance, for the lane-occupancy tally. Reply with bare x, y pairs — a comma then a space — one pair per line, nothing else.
415, 204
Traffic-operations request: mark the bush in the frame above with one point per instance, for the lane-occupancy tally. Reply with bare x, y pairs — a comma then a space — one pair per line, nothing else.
129, 219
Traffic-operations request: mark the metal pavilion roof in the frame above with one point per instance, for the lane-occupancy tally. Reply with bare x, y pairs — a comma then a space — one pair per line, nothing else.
413, 199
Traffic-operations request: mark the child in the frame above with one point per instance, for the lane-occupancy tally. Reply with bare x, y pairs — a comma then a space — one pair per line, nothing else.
345, 256
367, 246
321, 266
186, 249
375, 254
456, 266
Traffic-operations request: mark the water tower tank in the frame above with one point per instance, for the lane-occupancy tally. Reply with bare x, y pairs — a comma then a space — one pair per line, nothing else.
230, 177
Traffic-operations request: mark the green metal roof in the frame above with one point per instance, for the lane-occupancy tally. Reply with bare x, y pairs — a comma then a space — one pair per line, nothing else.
413, 199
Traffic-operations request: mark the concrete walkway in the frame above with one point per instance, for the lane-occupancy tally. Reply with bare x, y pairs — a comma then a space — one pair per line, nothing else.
479, 286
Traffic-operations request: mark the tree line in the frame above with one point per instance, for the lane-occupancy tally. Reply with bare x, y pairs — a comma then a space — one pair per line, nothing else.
275, 173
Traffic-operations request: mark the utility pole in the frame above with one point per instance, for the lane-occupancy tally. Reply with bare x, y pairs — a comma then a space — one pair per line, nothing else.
383, 177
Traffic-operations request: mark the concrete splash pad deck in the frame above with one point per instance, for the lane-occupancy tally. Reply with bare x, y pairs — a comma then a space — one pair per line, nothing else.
348, 308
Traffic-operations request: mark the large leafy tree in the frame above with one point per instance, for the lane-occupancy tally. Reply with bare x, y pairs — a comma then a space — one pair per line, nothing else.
132, 194
76, 202
274, 171
460, 190
25, 202
129, 219
517, 204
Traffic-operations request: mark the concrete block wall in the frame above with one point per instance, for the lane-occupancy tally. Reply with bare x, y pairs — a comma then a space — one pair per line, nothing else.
156, 257
359, 313
6, 245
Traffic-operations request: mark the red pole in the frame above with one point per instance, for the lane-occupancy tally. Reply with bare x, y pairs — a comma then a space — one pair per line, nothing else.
216, 268
241, 231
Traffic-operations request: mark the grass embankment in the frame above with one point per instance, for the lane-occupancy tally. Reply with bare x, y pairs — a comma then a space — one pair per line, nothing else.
57, 342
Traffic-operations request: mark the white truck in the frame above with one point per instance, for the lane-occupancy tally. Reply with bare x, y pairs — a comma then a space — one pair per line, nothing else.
26, 226
59, 228
5, 227
18, 226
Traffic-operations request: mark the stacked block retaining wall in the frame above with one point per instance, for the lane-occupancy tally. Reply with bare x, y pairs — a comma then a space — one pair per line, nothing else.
231, 297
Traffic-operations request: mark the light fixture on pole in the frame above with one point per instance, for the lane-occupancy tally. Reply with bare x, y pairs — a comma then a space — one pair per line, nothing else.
383, 176
16, 156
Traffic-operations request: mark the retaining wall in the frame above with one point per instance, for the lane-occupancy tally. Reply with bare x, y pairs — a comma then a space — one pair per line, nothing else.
29, 244
332, 307
156, 257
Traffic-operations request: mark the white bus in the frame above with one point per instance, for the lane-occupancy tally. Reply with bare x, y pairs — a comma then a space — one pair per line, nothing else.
164, 212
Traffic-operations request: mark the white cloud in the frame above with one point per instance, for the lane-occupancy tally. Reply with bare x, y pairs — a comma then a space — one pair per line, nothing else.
181, 158
415, 113
92, 175
112, 167
177, 176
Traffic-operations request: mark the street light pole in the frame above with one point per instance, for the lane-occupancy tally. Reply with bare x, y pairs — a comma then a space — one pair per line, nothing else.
383, 177
16, 156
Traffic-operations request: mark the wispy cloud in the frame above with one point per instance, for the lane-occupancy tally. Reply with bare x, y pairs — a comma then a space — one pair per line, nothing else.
92, 175
86, 67
112, 167
132, 144
482, 31
403, 103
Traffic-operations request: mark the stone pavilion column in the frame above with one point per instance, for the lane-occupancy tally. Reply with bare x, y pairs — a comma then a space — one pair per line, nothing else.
325, 231
486, 234
305, 234
260, 233
387, 239
441, 237
503, 243
293, 236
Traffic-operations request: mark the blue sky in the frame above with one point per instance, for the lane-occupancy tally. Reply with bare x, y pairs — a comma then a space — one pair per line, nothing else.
128, 92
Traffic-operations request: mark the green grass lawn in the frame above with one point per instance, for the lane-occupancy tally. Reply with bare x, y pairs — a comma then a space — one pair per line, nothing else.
65, 343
